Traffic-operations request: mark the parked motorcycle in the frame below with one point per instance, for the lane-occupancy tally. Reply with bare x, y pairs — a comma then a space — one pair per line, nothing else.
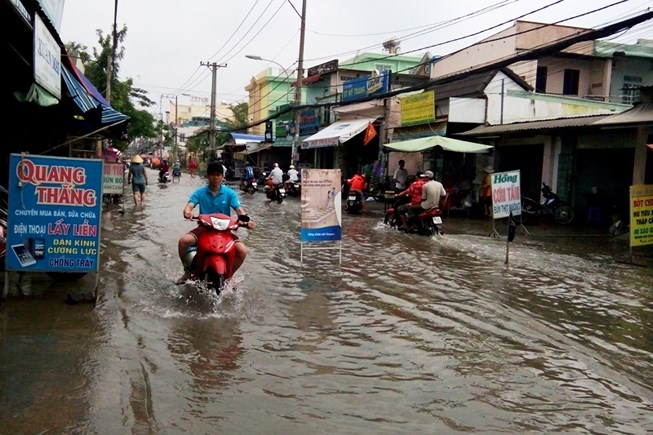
249, 186
427, 223
275, 193
561, 211
212, 259
165, 177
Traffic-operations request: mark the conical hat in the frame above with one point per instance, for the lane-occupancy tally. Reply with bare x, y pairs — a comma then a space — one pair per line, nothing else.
136, 159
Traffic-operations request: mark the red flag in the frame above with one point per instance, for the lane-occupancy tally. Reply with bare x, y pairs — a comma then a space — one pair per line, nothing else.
370, 132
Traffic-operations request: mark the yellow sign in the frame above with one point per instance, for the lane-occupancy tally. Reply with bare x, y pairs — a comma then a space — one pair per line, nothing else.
641, 215
418, 109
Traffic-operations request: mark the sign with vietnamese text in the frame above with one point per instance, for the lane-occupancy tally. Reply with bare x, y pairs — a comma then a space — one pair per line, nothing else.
321, 205
418, 109
363, 87
54, 214
114, 176
506, 194
641, 215
47, 58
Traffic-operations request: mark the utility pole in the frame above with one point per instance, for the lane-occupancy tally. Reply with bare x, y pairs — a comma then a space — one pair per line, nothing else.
214, 70
175, 131
299, 83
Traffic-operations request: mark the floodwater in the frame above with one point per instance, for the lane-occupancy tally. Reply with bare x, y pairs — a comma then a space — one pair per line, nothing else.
408, 335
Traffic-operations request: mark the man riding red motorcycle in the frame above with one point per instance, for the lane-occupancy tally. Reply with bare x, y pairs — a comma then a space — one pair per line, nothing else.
213, 198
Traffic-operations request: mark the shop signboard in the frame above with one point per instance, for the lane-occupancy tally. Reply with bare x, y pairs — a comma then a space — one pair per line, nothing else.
641, 215
364, 87
506, 194
54, 214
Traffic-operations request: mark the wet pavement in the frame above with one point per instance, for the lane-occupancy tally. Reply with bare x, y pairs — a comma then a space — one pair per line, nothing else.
409, 334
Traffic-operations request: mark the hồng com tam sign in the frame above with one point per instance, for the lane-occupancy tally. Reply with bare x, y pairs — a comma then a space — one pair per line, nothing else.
54, 214
641, 215
506, 194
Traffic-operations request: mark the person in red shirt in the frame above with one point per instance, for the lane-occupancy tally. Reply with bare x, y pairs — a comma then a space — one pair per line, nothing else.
357, 184
415, 193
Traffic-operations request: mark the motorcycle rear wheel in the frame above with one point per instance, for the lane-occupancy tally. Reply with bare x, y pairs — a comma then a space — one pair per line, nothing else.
215, 280
563, 214
389, 219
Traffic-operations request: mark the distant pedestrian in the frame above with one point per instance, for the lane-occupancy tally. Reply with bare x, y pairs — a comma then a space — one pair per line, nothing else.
192, 166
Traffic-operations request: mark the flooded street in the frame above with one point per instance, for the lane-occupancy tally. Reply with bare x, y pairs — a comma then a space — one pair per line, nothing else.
410, 335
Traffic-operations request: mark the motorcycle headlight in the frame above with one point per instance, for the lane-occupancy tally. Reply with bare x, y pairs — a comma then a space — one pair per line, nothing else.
220, 224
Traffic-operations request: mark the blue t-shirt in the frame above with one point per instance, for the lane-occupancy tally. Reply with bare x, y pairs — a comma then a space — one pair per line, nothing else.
249, 173
223, 202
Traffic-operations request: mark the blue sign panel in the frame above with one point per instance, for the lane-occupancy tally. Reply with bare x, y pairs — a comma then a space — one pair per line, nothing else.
55, 205
365, 87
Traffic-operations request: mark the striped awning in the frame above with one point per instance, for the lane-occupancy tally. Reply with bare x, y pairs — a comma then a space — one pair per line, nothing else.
78, 92
109, 114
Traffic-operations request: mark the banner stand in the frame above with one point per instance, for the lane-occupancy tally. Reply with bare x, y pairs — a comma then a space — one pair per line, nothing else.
317, 248
521, 225
494, 233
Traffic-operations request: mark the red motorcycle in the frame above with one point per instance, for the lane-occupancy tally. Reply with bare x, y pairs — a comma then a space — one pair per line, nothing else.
427, 223
211, 260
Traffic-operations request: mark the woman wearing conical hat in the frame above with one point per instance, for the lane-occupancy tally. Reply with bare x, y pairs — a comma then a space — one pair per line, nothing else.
138, 179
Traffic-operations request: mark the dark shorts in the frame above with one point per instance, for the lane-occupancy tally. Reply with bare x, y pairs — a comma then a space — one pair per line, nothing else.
138, 187
199, 230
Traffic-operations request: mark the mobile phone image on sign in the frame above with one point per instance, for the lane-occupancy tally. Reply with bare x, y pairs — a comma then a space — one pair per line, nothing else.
23, 255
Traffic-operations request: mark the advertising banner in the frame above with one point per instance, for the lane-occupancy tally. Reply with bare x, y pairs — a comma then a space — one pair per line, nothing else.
506, 194
114, 175
54, 214
641, 215
321, 205
356, 89
418, 109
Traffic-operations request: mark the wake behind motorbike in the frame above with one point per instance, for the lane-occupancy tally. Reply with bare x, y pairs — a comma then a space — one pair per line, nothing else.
212, 259
427, 223
560, 210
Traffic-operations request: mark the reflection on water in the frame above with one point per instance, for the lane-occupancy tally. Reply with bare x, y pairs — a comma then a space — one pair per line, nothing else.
409, 334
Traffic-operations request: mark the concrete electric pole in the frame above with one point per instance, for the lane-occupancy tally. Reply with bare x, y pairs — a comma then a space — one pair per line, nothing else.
214, 71
298, 84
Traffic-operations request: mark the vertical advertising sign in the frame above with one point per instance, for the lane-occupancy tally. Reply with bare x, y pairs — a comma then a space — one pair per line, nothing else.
641, 215
54, 214
114, 175
506, 194
321, 205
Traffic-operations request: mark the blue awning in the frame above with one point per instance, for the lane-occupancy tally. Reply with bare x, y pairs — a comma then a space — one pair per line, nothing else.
78, 92
109, 114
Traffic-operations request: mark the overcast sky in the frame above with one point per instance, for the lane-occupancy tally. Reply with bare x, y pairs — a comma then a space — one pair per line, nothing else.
167, 40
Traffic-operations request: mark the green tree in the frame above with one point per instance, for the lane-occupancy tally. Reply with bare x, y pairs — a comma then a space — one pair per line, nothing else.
123, 93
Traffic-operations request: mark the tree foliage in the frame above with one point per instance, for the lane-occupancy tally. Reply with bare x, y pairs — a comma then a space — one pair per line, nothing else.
123, 93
